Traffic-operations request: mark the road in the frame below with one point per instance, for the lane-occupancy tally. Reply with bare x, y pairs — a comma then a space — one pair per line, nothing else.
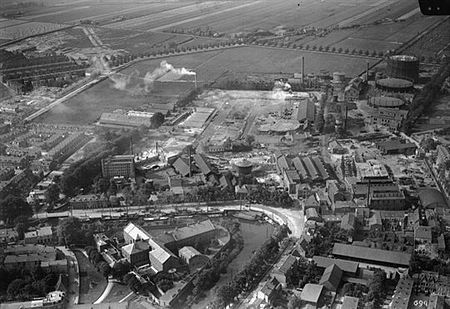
74, 277
293, 218
105, 292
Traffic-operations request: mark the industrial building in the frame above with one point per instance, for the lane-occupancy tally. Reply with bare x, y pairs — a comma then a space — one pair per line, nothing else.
117, 119
394, 85
118, 166
390, 118
404, 67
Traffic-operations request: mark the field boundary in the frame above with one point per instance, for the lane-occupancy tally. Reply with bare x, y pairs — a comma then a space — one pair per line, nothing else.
37, 34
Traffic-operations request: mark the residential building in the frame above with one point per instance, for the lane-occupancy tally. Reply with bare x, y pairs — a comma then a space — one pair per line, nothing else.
30, 257
53, 300
269, 290
102, 242
118, 166
350, 302
312, 294
194, 259
137, 253
348, 222
291, 179
282, 268
402, 294
331, 278
43, 236
423, 235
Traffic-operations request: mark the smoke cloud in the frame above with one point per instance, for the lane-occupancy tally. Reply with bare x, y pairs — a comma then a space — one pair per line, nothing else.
164, 68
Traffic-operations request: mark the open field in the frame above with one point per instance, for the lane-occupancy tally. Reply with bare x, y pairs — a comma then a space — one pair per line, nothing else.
88, 105
20, 30
436, 43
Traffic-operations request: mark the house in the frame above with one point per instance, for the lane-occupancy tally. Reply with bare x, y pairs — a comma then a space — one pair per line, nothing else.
101, 242
182, 166
343, 207
375, 222
311, 202
30, 257
301, 247
303, 190
137, 253
269, 290
331, 278
441, 243
89, 201
348, 222
350, 302
423, 235
283, 267
311, 214
312, 294
194, 259
43, 236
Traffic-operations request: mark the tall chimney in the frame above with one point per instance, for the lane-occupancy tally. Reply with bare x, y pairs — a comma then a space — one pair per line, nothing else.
195, 81
303, 69
190, 161
367, 72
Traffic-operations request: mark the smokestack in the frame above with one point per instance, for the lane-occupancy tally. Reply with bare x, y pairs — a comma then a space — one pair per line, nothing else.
195, 81
368, 194
346, 115
367, 72
190, 161
303, 69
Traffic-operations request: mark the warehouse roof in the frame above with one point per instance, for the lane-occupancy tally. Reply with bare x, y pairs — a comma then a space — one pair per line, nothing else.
346, 266
193, 230
372, 255
311, 292
332, 275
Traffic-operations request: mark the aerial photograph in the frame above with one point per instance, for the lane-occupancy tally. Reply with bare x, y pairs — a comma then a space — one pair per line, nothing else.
225, 154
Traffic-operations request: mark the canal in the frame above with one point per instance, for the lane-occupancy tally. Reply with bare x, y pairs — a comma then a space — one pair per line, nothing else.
254, 235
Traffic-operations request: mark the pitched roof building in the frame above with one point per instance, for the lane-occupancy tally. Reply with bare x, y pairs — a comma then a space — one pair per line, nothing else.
331, 278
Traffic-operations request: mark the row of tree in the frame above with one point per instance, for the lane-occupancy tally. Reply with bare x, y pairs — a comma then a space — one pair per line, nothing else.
264, 195
250, 275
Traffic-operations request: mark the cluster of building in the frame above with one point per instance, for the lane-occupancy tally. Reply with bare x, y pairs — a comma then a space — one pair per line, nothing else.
27, 74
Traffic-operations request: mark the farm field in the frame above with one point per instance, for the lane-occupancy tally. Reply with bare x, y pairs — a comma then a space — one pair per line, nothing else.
436, 43
87, 106
20, 30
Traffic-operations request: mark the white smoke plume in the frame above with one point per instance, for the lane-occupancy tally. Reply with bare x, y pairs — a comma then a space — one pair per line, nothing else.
164, 68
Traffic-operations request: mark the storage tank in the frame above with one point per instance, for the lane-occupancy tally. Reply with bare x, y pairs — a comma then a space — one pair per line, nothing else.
404, 67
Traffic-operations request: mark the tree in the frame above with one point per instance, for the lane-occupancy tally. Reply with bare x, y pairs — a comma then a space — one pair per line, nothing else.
249, 139
102, 185
226, 294
105, 269
295, 303
70, 231
52, 194
13, 207
157, 120
428, 144
120, 269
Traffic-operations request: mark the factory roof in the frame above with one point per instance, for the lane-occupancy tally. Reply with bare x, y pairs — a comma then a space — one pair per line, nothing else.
344, 265
402, 294
372, 255
193, 230
204, 165
394, 144
286, 264
41, 232
188, 252
136, 232
136, 247
181, 165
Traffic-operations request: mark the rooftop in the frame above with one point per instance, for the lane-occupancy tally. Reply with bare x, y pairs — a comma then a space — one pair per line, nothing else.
372, 255
344, 265
312, 292
193, 230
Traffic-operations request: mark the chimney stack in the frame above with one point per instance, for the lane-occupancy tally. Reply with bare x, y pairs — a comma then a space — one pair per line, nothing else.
367, 72
303, 69
195, 81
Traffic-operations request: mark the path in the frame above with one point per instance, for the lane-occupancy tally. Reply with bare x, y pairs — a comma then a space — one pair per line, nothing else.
105, 292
